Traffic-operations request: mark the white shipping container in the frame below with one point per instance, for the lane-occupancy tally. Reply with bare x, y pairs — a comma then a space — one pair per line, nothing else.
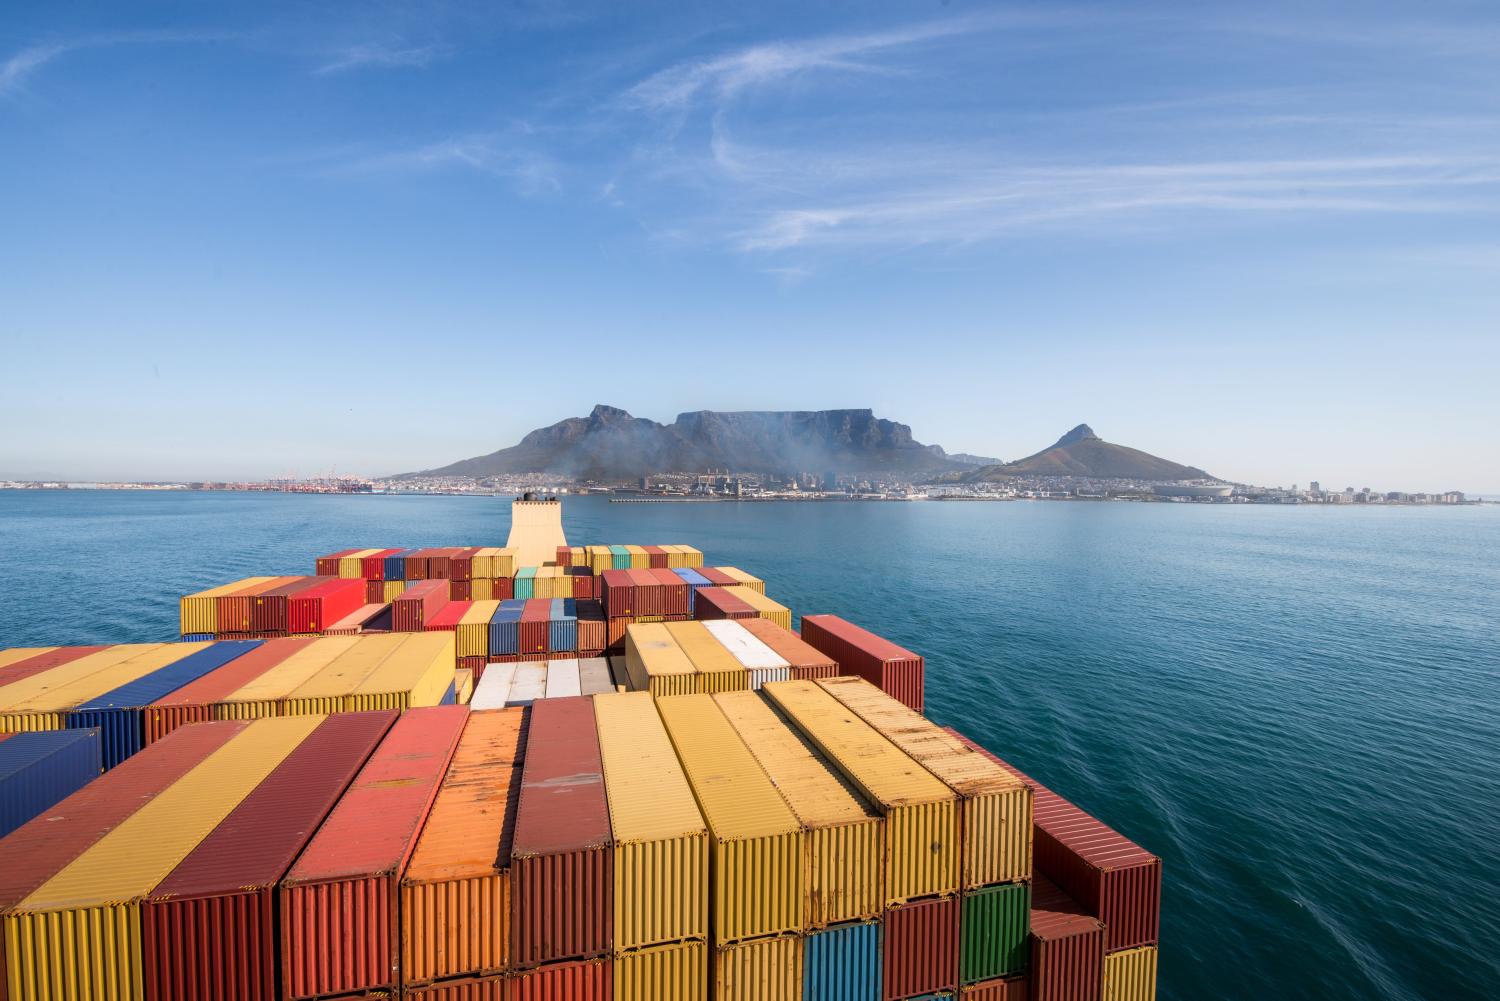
761, 662
529, 685
494, 687
562, 678
594, 677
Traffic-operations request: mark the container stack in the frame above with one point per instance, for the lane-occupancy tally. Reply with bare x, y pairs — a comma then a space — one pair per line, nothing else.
894, 670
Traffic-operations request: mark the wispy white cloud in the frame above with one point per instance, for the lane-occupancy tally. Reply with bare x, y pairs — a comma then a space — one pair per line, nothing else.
505, 155
374, 55
19, 68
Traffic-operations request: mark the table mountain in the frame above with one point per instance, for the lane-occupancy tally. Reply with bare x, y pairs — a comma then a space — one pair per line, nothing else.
610, 444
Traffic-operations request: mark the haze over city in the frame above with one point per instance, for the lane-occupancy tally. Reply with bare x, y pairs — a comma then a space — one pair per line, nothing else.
1258, 239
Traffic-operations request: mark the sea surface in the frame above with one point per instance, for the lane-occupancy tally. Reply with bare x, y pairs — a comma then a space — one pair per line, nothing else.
1295, 707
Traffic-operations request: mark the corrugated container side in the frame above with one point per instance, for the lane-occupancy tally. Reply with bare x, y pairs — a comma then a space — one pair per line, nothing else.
1008, 989
993, 929
895, 670
768, 969
492, 988
843, 964
1067, 947
195, 702
39, 770
580, 981
921, 948
663, 973
1130, 974
807, 662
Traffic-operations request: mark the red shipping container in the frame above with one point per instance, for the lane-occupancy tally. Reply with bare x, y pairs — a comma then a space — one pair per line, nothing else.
590, 981
474, 664
1067, 947
807, 662
615, 633
447, 617
236, 611
564, 556
1009, 989
895, 670
328, 566
339, 903
562, 863
592, 634
415, 606
717, 603
374, 592
311, 610
1112, 877
650, 595
532, 632
208, 929
617, 589
677, 596
921, 948
585, 584
717, 577
439, 562
656, 556
194, 702
502, 588
269, 611
32, 666
373, 567
461, 564
36, 851
460, 590
416, 564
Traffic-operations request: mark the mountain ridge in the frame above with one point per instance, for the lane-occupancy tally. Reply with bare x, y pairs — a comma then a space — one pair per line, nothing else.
1082, 453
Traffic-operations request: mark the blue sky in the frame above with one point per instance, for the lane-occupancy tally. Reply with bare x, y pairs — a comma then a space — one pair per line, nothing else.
247, 240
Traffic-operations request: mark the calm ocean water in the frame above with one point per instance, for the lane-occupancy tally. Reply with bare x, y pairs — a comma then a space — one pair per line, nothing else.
1295, 707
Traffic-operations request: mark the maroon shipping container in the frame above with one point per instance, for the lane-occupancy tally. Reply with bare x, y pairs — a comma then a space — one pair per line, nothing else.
460, 590
235, 612
493, 988
717, 577
339, 903
502, 588
585, 584
807, 662
461, 565
650, 596
416, 564
311, 610
328, 566
532, 631
617, 589
562, 864
439, 562
269, 611
586, 981
1009, 989
921, 948
895, 670
657, 557
415, 607
194, 702
373, 567
717, 603
592, 635
374, 592
36, 851
564, 555
208, 931
1112, 877
1067, 947
677, 596
32, 666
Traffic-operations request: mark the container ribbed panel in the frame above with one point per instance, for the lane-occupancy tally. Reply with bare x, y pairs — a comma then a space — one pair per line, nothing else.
455, 927
1130, 975
80, 954
561, 906
663, 973
218, 948
845, 862
922, 856
661, 891
337, 937
758, 887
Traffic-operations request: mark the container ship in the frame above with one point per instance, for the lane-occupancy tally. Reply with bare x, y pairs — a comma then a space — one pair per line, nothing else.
533, 772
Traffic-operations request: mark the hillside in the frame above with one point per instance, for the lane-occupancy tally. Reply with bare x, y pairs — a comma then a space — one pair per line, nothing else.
1082, 453
610, 444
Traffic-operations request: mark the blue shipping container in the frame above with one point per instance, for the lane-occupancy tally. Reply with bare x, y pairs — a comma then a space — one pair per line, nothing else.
842, 964
395, 565
694, 580
562, 626
117, 713
39, 770
505, 627
450, 697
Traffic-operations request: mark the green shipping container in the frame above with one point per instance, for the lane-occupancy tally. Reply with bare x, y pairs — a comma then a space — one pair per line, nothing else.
993, 932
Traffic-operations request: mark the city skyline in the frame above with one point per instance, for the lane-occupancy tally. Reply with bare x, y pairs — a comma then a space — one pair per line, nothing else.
250, 240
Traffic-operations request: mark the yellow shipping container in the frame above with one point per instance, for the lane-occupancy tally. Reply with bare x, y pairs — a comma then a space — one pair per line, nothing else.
19, 653
768, 609
481, 589
352, 567
16, 692
47, 709
721, 670
655, 663
418, 673
493, 562
1130, 974
691, 556
455, 894
199, 611
264, 696
767, 970
463, 685
660, 841
921, 814
994, 805
844, 834
473, 632
78, 936
600, 559
392, 589
577, 556
328, 690
756, 842
751, 581
639, 558
664, 973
